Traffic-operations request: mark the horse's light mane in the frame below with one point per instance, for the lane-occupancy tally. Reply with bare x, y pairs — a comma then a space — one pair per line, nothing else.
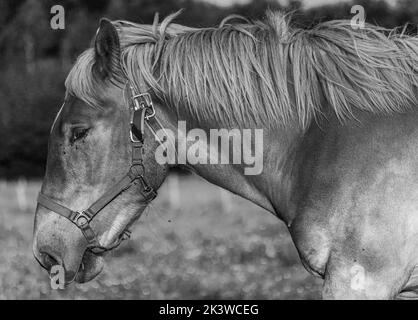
265, 72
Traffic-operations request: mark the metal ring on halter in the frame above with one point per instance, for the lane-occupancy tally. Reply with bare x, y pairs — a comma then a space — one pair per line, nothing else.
143, 100
81, 218
150, 115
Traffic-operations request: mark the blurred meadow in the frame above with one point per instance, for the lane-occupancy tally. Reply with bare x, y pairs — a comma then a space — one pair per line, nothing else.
195, 242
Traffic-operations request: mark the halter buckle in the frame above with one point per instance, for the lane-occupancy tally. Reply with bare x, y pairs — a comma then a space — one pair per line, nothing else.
144, 101
81, 219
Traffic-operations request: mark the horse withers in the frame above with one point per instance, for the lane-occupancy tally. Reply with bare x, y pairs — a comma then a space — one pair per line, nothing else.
337, 108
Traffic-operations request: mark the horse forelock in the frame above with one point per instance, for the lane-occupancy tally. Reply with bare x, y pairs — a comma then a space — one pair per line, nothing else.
83, 83
264, 72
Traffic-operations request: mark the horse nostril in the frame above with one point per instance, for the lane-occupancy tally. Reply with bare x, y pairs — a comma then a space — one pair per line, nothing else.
48, 261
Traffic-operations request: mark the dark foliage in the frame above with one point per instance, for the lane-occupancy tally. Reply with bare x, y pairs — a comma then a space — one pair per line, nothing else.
35, 58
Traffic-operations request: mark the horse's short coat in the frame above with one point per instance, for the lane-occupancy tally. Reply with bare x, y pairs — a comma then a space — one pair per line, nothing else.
338, 109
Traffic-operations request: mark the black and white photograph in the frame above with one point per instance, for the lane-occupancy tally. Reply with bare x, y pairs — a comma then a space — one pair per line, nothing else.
208, 150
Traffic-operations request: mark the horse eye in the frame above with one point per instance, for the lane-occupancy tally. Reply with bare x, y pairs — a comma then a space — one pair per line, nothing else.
78, 133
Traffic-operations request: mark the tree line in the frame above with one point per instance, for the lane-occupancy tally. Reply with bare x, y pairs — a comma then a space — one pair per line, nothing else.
35, 58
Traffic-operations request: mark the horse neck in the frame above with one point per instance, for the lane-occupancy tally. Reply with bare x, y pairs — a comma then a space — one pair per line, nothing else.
271, 187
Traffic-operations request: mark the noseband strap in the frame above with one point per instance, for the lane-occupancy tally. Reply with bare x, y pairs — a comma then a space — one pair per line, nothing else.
143, 112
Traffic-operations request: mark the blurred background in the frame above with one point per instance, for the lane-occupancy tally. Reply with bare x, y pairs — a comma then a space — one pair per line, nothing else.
196, 241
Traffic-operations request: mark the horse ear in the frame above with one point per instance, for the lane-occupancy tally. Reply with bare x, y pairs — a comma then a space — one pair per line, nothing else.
107, 49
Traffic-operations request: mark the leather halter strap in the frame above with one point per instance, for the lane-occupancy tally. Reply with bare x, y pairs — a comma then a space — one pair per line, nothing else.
143, 112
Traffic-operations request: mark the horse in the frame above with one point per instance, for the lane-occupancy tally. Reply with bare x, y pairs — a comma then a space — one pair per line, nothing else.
337, 110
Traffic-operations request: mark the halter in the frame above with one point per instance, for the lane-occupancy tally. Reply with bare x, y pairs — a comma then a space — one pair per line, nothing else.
143, 112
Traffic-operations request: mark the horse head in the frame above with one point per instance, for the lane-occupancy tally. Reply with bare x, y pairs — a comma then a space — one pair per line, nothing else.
101, 171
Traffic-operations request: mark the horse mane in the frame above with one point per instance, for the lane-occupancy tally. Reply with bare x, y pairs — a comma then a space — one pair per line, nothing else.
264, 72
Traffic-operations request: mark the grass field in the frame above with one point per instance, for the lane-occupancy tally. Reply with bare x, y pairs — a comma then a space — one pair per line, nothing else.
201, 250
